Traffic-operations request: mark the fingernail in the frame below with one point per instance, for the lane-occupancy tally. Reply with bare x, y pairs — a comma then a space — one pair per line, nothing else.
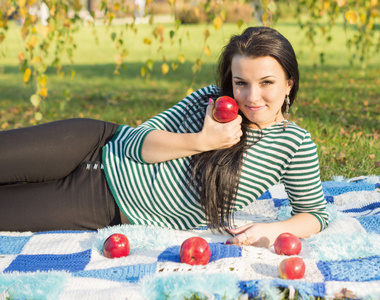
227, 243
210, 101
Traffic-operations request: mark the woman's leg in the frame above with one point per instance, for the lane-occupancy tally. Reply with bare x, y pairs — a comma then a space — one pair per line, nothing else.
80, 201
54, 179
50, 151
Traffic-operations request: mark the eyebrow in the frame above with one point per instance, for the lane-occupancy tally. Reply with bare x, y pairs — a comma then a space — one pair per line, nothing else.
237, 77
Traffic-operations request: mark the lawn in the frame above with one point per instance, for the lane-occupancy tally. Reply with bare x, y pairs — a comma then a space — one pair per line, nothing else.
337, 102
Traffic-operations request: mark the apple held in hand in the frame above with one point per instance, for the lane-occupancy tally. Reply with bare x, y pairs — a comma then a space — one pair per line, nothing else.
287, 244
195, 251
225, 109
116, 245
292, 268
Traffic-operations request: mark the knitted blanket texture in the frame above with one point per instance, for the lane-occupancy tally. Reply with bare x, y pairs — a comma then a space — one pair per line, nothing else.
342, 261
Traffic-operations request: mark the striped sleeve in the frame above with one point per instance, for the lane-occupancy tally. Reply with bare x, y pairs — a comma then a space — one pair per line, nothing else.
303, 185
169, 120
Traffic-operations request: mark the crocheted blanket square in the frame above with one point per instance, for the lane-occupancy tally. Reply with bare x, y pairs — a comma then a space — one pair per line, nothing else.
342, 261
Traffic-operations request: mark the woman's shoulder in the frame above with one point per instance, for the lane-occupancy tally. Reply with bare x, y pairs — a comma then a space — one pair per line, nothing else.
293, 134
291, 129
206, 92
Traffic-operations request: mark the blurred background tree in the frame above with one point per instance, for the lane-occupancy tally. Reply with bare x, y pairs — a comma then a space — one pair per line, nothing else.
48, 28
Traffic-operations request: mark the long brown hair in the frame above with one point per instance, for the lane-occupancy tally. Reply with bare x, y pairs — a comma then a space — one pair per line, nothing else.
216, 174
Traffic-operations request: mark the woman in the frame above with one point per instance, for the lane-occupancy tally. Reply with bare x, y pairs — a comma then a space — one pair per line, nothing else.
180, 169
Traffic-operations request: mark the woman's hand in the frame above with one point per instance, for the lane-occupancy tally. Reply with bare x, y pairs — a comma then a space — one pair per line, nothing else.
160, 145
215, 135
254, 234
301, 225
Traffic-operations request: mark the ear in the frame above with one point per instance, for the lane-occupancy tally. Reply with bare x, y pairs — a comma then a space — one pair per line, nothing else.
290, 83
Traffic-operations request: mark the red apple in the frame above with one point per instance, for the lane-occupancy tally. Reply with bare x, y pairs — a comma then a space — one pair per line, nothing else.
225, 109
287, 244
195, 251
116, 245
292, 268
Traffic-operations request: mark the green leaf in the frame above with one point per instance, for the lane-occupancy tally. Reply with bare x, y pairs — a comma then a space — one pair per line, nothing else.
35, 100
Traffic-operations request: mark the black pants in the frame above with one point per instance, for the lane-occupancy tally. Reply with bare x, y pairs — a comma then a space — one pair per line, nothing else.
51, 177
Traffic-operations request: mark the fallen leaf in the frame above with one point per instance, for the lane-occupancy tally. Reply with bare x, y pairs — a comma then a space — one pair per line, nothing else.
372, 156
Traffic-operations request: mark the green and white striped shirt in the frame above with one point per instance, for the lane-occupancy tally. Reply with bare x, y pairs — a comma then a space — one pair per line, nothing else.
158, 194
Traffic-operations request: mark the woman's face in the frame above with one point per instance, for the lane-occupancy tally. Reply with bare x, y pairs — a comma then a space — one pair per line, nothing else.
260, 86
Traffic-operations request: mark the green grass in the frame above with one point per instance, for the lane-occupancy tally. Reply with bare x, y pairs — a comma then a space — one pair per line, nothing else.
338, 103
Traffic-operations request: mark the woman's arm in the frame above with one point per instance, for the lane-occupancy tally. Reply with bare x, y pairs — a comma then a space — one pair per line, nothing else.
161, 145
264, 234
303, 186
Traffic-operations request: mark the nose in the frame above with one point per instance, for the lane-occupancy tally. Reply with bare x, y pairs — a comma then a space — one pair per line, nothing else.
254, 93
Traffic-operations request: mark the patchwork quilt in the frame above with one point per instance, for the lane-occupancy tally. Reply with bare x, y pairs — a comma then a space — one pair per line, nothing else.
343, 261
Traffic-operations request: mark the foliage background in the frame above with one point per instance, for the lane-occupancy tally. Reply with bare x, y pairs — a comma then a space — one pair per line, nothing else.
126, 72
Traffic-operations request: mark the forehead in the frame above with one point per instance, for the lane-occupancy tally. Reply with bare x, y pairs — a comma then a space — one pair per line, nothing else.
256, 66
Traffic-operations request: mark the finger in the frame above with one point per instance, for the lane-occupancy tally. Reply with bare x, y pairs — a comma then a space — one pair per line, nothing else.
241, 228
241, 239
210, 107
236, 121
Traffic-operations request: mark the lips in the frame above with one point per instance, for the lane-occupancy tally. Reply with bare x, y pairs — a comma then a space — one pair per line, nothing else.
255, 108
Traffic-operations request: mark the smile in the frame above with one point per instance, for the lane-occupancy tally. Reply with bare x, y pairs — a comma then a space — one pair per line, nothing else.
255, 108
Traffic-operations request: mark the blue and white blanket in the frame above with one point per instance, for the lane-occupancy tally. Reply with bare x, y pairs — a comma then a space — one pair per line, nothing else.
343, 261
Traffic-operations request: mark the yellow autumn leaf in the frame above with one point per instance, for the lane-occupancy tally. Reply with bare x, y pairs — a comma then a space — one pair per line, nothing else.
194, 68
207, 51
77, 4
189, 91
21, 57
171, 2
217, 23
44, 92
116, 6
206, 34
149, 64
32, 42
352, 16
35, 100
174, 66
33, 18
239, 23
42, 80
37, 59
2, 37
181, 58
159, 31
147, 41
143, 71
341, 2
199, 63
164, 68
72, 74
223, 15
27, 74
118, 59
